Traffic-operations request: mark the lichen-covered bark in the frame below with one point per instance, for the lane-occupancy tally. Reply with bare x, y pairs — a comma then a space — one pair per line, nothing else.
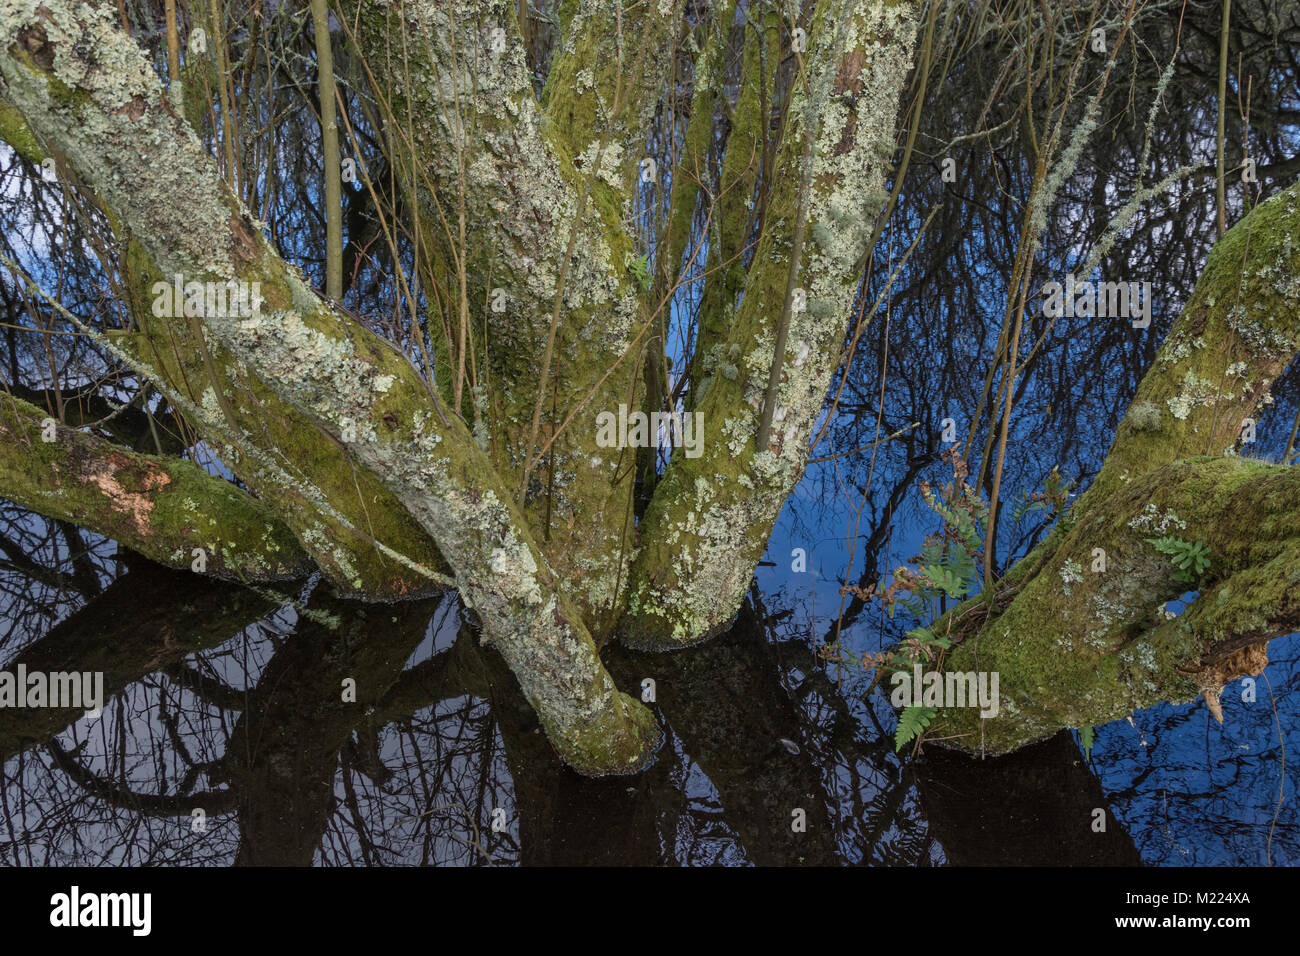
546, 216
1075, 653
1075, 647
162, 508
1236, 334
310, 477
310, 468
710, 517
741, 163
606, 81
693, 166
103, 109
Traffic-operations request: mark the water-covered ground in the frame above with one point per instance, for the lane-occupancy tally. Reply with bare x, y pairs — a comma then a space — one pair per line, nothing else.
227, 739
246, 726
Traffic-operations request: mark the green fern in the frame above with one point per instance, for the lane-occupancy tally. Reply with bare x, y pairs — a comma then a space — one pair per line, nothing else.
948, 566
1189, 558
1024, 505
1085, 740
1054, 498
640, 269
926, 636
912, 722
949, 579
959, 521
919, 643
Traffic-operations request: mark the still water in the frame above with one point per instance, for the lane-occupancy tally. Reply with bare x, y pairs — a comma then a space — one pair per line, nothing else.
226, 739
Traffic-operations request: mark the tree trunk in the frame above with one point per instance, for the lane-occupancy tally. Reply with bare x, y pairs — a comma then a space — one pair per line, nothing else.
489, 477
83, 85
1074, 646
164, 508
710, 518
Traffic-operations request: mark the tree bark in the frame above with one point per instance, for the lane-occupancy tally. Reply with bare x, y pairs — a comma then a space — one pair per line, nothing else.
83, 85
325, 485
710, 518
162, 508
548, 190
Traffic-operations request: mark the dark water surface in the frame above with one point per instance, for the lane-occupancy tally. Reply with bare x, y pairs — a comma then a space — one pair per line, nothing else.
226, 738
225, 705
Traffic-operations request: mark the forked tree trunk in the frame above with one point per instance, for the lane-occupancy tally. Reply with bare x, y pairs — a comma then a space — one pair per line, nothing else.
394, 487
302, 400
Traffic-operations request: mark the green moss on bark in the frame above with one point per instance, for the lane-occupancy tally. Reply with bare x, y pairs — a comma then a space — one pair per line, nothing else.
1086, 652
523, 174
363, 392
710, 517
161, 508
1236, 334
318, 464
725, 273
1080, 653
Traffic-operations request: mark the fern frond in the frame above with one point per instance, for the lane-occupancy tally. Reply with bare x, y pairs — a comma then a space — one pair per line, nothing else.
912, 722
946, 579
1085, 740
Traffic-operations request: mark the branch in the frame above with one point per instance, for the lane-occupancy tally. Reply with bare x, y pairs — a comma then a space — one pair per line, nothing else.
1075, 647
746, 146
610, 74
1080, 646
81, 83
330, 149
323, 484
163, 508
711, 516
1236, 334
519, 203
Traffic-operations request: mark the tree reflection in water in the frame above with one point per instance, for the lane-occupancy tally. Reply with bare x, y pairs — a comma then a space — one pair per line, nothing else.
231, 702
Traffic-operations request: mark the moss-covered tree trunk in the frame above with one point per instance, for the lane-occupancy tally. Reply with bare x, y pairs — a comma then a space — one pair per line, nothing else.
167, 509
491, 478
1078, 632
386, 480
711, 515
554, 308
84, 88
